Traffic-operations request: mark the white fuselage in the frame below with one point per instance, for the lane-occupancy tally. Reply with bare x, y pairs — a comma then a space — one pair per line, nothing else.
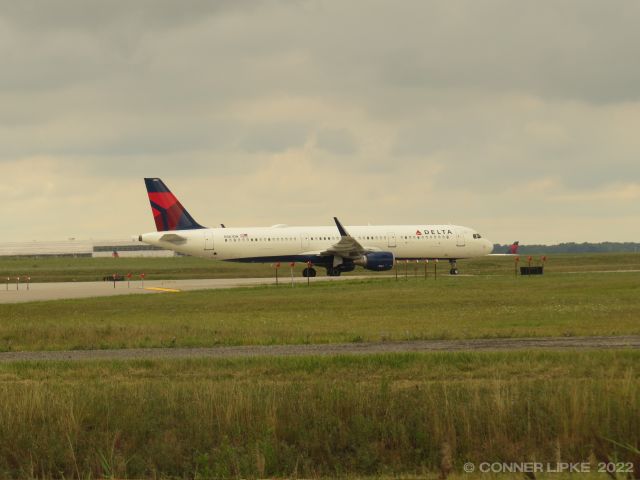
284, 243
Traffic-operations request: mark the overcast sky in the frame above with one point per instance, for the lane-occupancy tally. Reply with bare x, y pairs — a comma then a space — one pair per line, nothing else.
520, 119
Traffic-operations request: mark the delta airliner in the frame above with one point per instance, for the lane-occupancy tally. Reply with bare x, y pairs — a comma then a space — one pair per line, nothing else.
336, 248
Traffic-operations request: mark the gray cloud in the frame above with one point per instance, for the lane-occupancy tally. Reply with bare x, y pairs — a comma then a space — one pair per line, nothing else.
400, 110
92, 15
338, 141
273, 138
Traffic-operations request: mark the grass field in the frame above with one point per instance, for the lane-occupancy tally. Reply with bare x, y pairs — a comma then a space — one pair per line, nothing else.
94, 269
380, 416
310, 417
363, 310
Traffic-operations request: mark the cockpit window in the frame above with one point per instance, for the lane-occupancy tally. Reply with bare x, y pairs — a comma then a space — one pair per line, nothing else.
477, 235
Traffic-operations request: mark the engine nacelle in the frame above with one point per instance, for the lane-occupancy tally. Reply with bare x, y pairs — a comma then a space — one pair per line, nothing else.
377, 261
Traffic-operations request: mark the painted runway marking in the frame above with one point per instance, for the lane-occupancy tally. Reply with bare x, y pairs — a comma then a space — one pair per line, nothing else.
160, 289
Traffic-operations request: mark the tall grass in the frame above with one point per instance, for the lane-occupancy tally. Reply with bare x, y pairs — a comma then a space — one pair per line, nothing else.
322, 422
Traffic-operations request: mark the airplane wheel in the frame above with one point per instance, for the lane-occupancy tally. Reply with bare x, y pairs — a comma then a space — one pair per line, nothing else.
454, 271
309, 272
333, 272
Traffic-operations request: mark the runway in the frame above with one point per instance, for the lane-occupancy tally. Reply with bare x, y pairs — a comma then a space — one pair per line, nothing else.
422, 346
69, 290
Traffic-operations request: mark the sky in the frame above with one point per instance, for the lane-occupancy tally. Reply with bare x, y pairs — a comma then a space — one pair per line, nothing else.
518, 119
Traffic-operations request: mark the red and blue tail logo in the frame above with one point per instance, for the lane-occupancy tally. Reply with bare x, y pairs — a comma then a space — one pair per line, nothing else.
168, 212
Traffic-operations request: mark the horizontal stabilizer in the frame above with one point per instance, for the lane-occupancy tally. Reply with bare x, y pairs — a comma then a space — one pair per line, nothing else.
172, 237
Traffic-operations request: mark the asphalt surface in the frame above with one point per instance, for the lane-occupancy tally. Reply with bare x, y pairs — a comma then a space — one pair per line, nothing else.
493, 344
67, 290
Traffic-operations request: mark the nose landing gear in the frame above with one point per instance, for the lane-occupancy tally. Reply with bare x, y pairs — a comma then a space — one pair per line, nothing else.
454, 267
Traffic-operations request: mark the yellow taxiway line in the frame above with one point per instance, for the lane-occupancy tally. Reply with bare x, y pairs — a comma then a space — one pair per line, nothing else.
158, 289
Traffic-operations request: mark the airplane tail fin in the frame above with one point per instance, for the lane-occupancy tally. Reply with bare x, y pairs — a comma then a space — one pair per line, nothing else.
513, 248
168, 212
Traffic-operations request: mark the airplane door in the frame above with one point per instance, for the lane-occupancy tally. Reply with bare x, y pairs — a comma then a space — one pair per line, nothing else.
460, 242
208, 240
304, 240
392, 239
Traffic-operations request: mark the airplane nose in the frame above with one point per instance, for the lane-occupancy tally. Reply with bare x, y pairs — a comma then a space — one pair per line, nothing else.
488, 246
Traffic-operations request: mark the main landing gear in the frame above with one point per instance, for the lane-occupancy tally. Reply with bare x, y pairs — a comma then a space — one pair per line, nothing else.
333, 271
454, 267
309, 272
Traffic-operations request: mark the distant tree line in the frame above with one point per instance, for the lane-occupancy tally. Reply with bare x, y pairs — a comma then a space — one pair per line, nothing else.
572, 247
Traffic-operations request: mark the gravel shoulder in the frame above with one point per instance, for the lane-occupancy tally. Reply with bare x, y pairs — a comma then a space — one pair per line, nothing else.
493, 344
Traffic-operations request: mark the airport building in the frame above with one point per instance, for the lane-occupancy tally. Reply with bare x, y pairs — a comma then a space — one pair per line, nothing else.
82, 248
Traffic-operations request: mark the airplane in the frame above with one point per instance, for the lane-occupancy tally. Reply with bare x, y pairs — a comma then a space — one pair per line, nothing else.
336, 248
512, 251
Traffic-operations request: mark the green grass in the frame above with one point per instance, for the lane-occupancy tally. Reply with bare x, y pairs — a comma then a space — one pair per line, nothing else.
379, 416
365, 310
383, 415
94, 269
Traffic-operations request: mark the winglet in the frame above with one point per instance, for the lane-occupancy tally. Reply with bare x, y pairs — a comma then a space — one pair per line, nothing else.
341, 229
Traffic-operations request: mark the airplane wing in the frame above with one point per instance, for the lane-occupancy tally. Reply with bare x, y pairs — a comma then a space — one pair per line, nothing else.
348, 247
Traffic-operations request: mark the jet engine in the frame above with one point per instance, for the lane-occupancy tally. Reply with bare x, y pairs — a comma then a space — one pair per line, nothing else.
377, 261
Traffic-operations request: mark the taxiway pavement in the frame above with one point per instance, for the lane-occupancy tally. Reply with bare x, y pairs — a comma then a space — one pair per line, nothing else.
69, 290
